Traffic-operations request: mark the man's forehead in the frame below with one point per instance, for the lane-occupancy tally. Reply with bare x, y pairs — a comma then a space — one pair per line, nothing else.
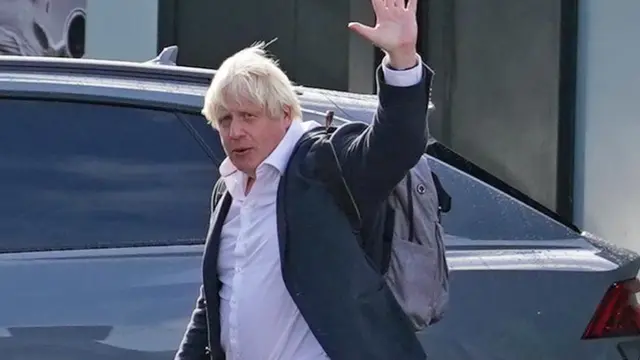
231, 104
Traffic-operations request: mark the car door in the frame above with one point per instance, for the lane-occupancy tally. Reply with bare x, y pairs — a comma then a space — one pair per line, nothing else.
103, 211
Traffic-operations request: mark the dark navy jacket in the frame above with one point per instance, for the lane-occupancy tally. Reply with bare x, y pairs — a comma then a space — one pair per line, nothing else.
338, 290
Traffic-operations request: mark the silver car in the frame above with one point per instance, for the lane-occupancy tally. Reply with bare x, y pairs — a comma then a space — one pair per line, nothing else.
106, 174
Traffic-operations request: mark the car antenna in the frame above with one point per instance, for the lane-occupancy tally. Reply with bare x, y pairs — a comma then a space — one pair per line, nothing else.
168, 56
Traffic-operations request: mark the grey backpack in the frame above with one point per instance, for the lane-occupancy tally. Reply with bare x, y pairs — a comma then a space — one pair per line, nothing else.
417, 273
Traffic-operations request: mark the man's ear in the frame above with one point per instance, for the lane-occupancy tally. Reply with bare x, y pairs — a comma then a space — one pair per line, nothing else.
286, 112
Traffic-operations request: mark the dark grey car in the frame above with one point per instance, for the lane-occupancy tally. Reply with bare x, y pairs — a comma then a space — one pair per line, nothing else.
107, 170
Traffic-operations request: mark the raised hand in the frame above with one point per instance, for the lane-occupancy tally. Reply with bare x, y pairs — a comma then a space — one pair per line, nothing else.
395, 32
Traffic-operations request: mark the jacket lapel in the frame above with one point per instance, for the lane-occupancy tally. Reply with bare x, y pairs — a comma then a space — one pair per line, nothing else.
212, 244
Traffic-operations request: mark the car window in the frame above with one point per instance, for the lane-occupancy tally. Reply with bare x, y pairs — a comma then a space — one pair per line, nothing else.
79, 175
481, 212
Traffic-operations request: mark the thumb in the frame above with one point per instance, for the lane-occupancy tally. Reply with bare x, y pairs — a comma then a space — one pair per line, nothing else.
362, 30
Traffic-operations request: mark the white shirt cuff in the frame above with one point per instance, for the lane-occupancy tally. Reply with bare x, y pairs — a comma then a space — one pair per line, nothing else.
402, 78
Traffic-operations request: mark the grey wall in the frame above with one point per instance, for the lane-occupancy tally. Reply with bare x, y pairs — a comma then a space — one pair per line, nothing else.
607, 200
209, 31
314, 45
122, 29
496, 87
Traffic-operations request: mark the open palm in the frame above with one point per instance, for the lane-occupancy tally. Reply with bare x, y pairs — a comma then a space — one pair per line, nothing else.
396, 25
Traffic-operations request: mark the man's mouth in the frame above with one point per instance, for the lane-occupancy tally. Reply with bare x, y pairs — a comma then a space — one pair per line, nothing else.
241, 151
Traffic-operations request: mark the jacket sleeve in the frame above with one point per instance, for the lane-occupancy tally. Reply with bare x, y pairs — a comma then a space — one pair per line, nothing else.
194, 343
376, 157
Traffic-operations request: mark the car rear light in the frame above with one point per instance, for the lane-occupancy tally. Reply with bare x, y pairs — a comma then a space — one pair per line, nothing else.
618, 313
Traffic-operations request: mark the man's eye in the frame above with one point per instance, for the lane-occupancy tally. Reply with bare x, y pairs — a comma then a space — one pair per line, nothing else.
224, 120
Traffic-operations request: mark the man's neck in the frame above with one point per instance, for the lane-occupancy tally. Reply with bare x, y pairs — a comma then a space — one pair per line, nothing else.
250, 181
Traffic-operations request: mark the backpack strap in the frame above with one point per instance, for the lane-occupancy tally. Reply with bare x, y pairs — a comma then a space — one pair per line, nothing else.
444, 199
409, 185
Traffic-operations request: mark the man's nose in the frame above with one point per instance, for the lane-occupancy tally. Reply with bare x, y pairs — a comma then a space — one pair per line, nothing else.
235, 128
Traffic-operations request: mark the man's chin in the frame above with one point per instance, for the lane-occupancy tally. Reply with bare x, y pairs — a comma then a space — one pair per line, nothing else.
243, 165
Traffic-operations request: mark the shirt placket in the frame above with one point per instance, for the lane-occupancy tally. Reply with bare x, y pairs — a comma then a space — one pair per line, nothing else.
240, 256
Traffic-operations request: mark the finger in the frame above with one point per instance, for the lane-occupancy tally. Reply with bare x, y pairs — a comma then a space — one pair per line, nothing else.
362, 30
378, 6
392, 6
412, 5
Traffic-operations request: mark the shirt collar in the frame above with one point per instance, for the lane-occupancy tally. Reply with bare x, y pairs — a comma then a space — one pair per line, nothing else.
279, 157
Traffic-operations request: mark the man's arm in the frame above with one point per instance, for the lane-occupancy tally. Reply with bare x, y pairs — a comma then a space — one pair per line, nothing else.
375, 159
194, 342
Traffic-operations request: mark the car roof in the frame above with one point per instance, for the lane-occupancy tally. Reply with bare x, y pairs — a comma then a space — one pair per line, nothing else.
149, 84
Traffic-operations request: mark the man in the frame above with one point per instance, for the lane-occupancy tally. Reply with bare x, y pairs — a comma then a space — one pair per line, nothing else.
284, 274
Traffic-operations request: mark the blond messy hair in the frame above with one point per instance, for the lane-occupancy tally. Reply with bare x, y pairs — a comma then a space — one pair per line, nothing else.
250, 75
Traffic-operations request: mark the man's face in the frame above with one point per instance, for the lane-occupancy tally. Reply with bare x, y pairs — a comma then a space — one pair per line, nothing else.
249, 135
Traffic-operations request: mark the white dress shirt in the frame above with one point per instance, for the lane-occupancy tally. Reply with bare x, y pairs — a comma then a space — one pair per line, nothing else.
258, 318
